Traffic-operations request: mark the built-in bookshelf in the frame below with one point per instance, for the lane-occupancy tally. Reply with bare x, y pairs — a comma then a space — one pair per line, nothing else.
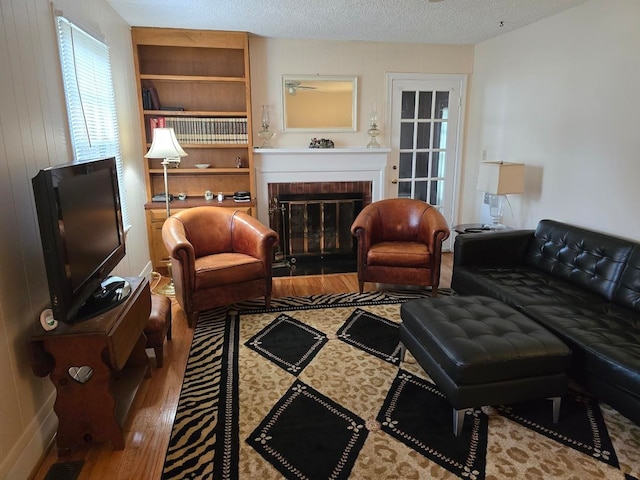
198, 83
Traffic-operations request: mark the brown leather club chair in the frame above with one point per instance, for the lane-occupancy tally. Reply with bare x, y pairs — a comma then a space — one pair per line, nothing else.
400, 242
219, 256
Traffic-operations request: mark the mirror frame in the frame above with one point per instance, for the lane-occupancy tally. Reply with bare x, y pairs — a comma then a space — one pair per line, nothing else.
322, 78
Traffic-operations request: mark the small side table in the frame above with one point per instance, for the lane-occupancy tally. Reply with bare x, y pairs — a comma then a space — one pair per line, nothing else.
476, 228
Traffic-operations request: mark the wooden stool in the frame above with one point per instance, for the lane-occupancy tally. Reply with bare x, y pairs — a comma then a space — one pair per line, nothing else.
159, 325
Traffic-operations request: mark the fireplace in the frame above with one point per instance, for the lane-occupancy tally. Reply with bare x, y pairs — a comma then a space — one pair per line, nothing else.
318, 192
316, 223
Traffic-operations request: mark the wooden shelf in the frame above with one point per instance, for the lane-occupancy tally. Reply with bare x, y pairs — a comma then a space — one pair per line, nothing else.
200, 171
206, 73
192, 113
191, 202
192, 78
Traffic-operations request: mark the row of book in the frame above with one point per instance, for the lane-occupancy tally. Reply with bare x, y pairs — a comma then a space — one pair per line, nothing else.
204, 130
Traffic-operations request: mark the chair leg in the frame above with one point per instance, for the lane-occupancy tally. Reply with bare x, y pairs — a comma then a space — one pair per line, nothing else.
361, 286
192, 319
267, 301
458, 421
403, 352
434, 291
159, 356
556, 408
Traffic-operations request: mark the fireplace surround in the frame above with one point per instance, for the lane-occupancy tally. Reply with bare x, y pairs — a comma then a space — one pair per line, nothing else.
311, 196
331, 167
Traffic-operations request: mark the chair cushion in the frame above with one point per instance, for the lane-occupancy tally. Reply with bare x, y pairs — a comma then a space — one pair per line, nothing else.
399, 254
225, 269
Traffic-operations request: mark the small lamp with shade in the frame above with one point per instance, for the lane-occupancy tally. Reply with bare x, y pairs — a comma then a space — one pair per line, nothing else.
497, 179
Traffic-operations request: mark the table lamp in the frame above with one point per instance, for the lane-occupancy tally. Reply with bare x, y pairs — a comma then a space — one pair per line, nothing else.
497, 179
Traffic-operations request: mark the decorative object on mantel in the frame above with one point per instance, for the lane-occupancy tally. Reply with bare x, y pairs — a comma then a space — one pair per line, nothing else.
265, 134
321, 143
373, 131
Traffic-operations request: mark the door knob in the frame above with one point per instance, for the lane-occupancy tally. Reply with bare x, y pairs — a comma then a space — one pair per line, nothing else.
394, 181
395, 167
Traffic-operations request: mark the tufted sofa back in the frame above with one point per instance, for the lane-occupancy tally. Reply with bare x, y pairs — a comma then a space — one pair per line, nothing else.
591, 260
628, 292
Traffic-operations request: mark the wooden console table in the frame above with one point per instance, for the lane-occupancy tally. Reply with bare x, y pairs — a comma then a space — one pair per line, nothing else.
112, 344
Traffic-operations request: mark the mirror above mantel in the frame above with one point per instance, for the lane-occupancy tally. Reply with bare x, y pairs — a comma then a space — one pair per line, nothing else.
316, 103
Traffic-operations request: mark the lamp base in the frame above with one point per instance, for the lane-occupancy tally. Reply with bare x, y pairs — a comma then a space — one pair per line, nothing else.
266, 136
168, 290
494, 226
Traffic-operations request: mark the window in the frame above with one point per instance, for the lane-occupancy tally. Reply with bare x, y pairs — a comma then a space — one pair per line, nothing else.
91, 108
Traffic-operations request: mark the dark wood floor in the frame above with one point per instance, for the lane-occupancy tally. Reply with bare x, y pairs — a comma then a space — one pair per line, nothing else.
149, 422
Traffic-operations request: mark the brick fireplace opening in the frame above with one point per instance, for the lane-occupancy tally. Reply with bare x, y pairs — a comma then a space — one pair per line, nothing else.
313, 220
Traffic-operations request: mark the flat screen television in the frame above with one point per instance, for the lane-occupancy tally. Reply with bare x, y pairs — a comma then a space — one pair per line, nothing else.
82, 235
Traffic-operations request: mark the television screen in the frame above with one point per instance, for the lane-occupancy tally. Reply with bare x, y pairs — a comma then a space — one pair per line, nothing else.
82, 236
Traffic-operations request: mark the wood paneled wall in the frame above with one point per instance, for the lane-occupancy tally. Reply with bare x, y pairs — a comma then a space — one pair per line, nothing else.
33, 135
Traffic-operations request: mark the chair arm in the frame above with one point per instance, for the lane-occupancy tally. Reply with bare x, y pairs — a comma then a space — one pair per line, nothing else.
496, 248
180, 250
252, 237
363, 227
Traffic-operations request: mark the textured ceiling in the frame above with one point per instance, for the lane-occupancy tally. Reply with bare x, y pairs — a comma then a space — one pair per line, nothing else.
414, 21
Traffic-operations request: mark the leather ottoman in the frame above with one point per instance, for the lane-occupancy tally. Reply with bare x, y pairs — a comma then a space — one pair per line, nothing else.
479, 351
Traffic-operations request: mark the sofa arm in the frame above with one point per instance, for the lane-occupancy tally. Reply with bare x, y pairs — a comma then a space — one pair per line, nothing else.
497, 248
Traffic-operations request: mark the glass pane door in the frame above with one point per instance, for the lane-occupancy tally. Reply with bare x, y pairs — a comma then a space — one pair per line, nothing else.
424, 141
423, 145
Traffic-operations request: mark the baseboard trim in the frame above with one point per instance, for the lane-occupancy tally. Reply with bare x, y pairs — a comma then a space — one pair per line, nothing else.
24, 459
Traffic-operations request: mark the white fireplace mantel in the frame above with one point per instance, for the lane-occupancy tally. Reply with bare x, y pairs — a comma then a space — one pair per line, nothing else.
294, 165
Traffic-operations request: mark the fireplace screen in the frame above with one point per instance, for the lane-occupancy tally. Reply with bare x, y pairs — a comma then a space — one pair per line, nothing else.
315, 224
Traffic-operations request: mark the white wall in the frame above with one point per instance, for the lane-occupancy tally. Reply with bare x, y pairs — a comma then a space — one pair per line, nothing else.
370, 61
563, 97
33, 135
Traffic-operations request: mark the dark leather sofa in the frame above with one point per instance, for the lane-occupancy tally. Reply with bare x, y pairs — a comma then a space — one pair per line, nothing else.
582, 285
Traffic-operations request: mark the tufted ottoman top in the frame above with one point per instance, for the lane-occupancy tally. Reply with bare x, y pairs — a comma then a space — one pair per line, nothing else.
478, 339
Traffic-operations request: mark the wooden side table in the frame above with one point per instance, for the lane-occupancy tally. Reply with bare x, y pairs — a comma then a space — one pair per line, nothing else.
112, 346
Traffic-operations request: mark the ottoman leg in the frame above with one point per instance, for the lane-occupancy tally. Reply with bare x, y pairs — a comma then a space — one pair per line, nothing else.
403, 351
556, 408
458, 420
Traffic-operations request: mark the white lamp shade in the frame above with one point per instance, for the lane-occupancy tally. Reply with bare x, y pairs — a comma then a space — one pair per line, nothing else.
165, 145
500, 178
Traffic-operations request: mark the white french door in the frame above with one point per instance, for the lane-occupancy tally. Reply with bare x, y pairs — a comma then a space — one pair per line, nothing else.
426, 132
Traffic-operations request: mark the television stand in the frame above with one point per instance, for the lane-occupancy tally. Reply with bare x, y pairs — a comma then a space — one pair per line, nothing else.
96, 367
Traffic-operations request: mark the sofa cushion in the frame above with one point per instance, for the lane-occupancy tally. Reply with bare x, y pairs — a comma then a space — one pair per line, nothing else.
591, 260
605, 339
521, 286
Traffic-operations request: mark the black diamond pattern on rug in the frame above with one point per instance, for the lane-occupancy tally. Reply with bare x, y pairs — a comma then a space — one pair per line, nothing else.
374, 334
580, 425
418, 415
307, 435
288, 343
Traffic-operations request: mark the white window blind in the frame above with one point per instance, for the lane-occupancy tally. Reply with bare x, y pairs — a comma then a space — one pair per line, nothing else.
91, 108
